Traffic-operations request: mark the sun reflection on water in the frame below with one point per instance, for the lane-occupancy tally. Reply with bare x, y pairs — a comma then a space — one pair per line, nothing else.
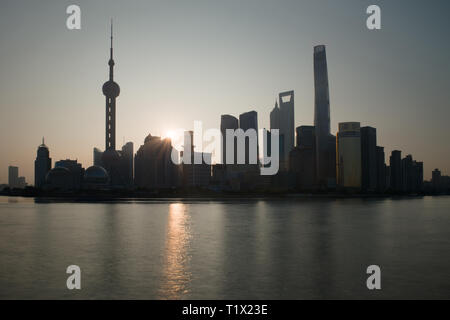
176, 275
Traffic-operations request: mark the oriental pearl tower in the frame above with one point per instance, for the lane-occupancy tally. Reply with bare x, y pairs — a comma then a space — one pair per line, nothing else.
111, 90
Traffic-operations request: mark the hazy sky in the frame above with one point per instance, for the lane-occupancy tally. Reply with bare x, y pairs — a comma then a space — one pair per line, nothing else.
180, 61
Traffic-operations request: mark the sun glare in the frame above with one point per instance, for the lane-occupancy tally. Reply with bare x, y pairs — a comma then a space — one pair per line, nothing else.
170, 134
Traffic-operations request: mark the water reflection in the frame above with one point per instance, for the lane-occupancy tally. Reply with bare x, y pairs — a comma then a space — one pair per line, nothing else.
176, 274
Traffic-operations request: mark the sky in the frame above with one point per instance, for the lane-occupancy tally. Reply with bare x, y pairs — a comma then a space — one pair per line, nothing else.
181, 61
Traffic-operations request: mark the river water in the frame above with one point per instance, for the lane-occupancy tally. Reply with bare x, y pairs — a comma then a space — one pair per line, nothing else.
233, 249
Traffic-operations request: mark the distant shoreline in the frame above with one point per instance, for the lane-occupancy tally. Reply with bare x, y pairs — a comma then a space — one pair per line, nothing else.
200, 196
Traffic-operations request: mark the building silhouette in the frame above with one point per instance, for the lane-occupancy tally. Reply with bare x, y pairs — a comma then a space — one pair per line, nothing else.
153, 164
249, 120
382, 183
407, 174
286, 125
14, 180
195, 174
325, 142
417, 181
67, 175
127, 163
59, 179
282, 118
349, 155
395, 163
302, 158
42, 165
76, 171
436, 180
13, 176
368, 159
95, 177
228, 122
97, 157
412, 175
267, 144
275, 124
388, 177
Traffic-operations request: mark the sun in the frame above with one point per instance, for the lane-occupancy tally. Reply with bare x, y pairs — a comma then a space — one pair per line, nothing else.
171, 134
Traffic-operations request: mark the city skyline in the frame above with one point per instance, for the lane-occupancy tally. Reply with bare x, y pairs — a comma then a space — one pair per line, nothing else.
409, 136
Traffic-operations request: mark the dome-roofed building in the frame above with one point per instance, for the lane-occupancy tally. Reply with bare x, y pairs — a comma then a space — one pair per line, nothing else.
96, 175
59, 178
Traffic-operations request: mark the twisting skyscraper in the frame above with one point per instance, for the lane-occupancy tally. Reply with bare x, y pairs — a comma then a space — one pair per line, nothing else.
325, 161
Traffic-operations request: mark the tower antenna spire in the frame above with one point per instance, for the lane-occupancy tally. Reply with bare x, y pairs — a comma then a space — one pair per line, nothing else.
111, 60
111, 38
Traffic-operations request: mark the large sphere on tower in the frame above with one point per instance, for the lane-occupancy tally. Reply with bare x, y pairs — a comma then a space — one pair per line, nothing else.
111, 89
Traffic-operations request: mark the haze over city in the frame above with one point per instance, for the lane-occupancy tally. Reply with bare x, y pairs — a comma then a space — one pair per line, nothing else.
195, 61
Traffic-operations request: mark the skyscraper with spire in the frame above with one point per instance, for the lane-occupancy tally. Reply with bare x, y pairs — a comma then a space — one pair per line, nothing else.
42, 165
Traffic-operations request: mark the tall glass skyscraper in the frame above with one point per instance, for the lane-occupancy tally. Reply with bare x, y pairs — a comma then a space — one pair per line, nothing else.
324, 156
228, 122
287, 129
249, 120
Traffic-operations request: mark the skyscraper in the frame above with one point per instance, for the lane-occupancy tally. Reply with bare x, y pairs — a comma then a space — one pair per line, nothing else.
301, 158
369, 158
42, 165
153, 164
305, 136
395, 162
286, 122
249, 120
275, 124
275, 117
381, 169
194, 174
349, 155
324, 159
407, 174
228, 122
436, 180
127, 163
13, 176
418, 176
